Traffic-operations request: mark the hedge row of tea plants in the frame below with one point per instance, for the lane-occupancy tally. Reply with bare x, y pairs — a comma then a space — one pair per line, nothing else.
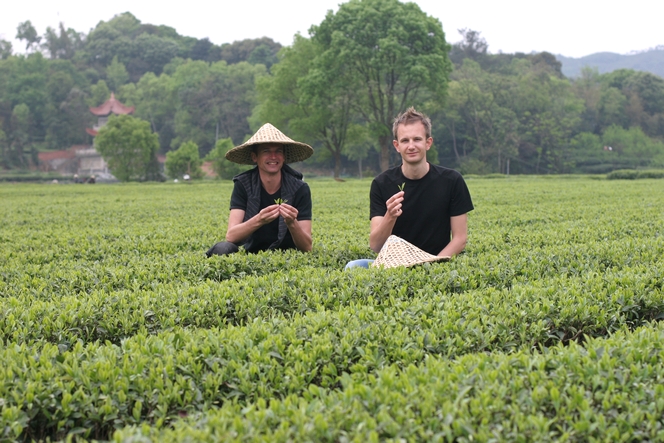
607, 390
112, 318
634, 174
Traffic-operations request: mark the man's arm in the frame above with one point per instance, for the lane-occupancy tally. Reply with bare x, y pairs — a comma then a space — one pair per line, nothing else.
238, 231
381, 227
459, 225
300, 230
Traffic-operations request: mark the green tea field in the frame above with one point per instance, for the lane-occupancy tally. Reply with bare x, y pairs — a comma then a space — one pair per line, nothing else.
114, 326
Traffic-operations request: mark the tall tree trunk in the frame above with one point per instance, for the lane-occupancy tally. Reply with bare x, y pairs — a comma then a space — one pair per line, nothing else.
384, 141
454, 144
337, 164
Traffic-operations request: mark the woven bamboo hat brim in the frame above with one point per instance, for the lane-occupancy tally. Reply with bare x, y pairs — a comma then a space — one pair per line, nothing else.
398, 252
293, 151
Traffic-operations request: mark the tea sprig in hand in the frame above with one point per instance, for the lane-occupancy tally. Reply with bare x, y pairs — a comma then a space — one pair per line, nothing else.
401, 186
279, 201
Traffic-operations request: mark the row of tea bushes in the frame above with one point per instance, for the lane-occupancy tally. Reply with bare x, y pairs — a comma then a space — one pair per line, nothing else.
59, 387
633, 174
607, 390
110, 316
569, 304
205, 386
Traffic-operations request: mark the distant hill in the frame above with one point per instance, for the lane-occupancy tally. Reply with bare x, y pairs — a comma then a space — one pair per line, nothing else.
651, 61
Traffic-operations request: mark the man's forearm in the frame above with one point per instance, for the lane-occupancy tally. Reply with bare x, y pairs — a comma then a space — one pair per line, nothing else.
453, 248
301, 237
240, 232
381, 229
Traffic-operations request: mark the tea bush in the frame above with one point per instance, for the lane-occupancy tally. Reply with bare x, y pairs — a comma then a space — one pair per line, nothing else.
115, 326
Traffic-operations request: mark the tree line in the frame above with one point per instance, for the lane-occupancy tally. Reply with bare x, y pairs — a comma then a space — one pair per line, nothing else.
338, 89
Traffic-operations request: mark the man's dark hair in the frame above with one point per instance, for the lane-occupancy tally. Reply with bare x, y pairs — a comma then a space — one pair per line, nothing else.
410, 116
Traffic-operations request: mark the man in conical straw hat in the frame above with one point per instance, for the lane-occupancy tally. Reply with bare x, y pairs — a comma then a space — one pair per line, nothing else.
270, 204
426, 205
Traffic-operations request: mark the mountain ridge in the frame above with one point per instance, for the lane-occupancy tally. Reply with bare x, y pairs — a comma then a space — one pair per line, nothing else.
650, 60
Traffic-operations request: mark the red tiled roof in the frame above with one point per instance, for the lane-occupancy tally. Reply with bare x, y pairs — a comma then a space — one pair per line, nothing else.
55, 155
112, 105
62, 154
92, 132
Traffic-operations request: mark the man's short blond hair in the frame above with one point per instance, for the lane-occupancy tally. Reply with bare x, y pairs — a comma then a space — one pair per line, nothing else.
410, 116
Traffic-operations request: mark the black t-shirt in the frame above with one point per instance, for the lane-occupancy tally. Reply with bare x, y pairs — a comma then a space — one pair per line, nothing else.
264, 236
427, 206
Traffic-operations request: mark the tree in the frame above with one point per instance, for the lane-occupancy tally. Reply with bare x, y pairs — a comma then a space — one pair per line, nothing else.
20, 142
117, 75
100, 93
25, 31
5, 49
213, 101
312, 95
184, 160
224, 169
396, 53
477, 121
62, 46
155, 101
129, 147
242, 50
472, 46
632, 146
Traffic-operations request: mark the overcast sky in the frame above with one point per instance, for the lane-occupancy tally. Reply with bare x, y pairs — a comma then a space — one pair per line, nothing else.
573, 28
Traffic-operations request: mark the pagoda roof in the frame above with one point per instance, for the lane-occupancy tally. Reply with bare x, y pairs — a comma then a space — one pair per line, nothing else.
112, 105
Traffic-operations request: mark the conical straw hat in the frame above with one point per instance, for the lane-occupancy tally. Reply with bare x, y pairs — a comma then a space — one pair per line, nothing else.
293, 151
398, 252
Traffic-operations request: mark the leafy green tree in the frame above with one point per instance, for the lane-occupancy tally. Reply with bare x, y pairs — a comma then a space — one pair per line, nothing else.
632, 146
224, 169
396, 53
117, 75
312, 96
5, 154
150, 53
63, 45
155, 101
99, 93
611, 108
548, 113
25, 31
472, 46
20, 141
184, 160
129, 147
478, 121
24, 80
201, 50
214, 101
588, 87
5, 49
243, 50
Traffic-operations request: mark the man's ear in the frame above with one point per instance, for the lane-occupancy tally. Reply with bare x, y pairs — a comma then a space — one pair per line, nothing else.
396, 144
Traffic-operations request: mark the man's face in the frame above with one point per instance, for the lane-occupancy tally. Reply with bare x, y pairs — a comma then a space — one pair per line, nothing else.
269, 158
412, 143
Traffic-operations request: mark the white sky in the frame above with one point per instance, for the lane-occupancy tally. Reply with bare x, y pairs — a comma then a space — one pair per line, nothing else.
573, 28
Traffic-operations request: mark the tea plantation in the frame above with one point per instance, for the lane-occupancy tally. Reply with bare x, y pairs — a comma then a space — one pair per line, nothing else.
114, 326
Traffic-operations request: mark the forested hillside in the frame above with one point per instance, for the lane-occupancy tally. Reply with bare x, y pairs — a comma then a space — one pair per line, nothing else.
506, 113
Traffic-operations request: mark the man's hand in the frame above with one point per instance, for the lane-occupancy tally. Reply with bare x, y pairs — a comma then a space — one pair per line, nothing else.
381, 227
268, 214
288, 212
394, 205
